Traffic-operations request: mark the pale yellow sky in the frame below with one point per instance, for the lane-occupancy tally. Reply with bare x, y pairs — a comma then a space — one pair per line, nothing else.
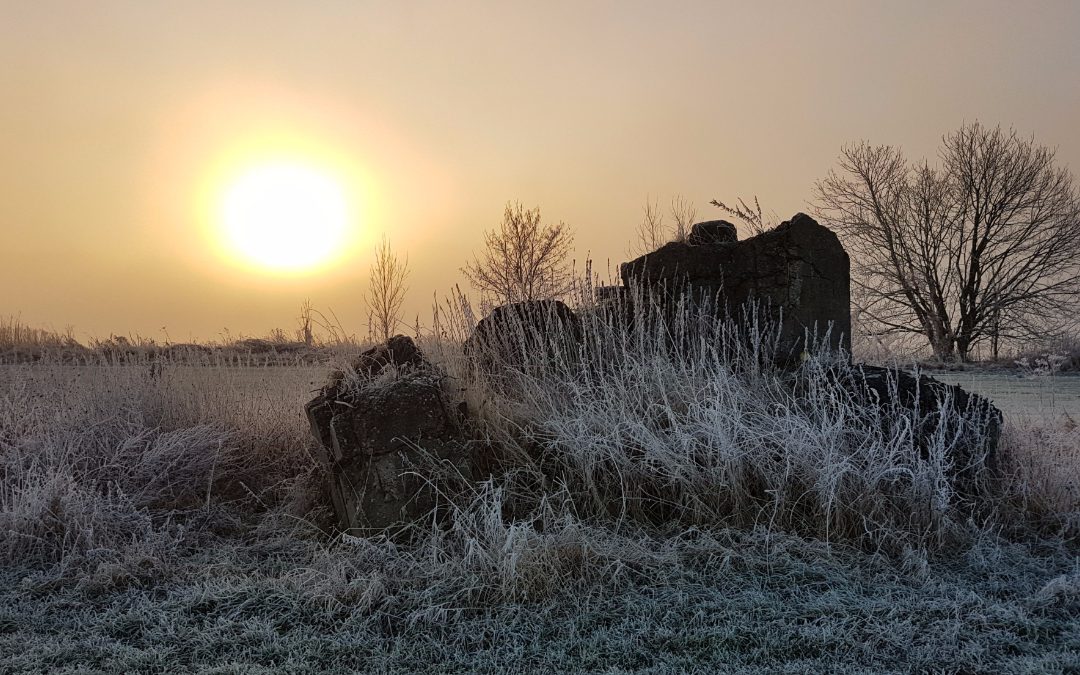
119, 118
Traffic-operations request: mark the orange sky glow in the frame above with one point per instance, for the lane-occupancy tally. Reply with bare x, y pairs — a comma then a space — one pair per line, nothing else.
125, 124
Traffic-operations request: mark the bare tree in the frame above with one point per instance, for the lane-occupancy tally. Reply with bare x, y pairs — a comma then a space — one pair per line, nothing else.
386, 289
523, 259
982, 248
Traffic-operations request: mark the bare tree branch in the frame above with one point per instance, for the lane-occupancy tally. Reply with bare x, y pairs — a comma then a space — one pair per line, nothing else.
751, 216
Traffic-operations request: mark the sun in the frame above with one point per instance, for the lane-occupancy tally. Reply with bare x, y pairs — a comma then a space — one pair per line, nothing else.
285, 216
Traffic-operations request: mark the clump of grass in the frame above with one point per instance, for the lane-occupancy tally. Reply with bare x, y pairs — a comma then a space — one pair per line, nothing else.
96, 456
683, 420
14, 334
20, 342
1042, 460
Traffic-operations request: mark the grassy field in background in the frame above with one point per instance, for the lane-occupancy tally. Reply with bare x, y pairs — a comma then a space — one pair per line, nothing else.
1046, 397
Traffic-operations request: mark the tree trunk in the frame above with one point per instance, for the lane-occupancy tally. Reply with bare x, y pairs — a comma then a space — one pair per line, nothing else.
944, 352
963, 350
995, 336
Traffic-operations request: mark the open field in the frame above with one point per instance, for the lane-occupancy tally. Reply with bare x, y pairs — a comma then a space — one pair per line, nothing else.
168, 518
1045, 397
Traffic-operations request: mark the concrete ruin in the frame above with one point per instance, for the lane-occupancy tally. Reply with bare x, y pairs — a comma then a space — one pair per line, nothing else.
798, 272
378, 422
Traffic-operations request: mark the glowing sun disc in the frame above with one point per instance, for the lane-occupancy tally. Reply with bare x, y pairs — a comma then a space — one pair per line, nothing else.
285, 215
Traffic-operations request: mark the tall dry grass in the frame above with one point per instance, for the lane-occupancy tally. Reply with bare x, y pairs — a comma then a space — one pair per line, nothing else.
668, 421
96, 455
688, 421
1041, 461
19, 341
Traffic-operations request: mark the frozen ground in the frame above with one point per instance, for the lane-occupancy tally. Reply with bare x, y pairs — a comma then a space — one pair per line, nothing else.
1035, 396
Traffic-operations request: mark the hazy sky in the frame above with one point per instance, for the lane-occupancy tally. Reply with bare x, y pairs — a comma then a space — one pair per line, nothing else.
118, 119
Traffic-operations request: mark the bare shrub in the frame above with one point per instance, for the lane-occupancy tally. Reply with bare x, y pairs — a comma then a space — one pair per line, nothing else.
754, 221
651, 234
386, 290
654, 231
683, 215
523, 259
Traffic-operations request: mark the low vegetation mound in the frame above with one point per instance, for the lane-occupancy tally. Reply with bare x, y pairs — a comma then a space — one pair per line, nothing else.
699, 395
695, 422
171, 520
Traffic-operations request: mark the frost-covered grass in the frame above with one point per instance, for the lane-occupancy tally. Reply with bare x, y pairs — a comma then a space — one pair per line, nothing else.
724, 602
690, 421
649, 509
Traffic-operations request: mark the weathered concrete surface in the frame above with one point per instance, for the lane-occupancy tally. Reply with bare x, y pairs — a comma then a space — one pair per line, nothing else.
377, 423
514, 334
799, 271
